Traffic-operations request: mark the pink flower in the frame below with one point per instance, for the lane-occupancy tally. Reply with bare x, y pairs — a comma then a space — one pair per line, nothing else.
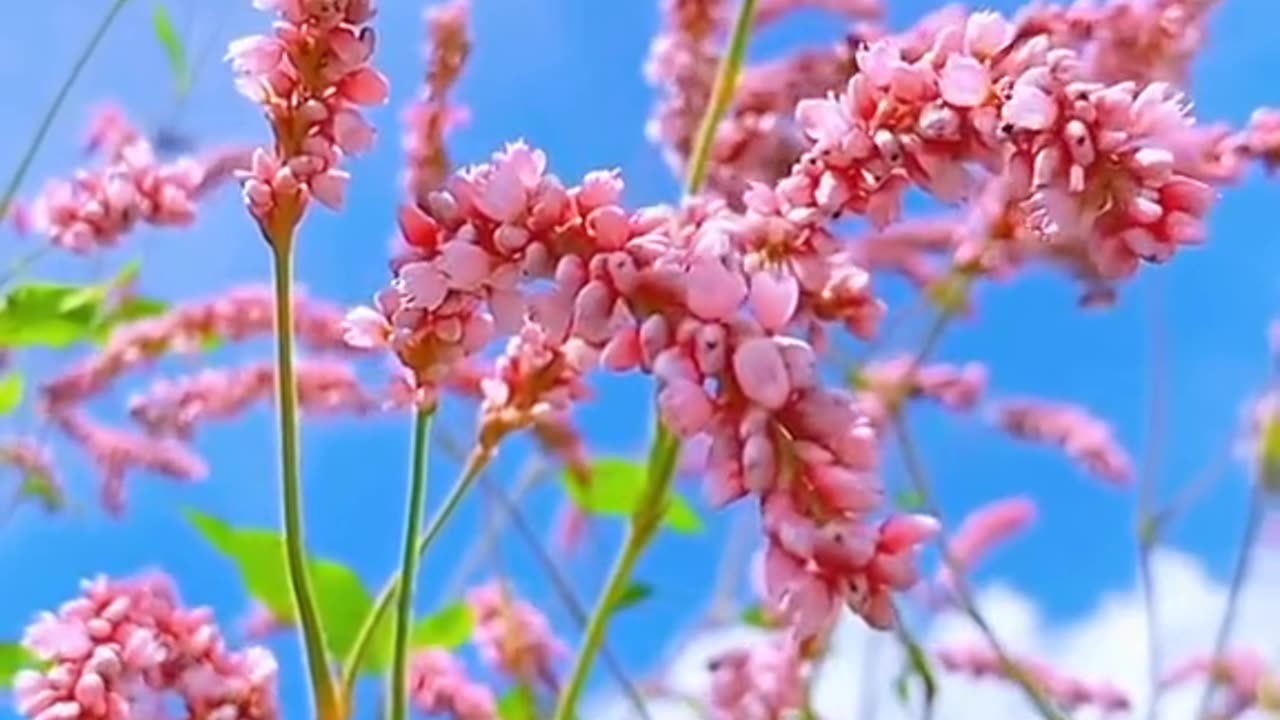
1239, 672
126, 646
982, 530
768, 679
513, 636
1069, 692
1084, 438
439, 685
431, 115
311, 76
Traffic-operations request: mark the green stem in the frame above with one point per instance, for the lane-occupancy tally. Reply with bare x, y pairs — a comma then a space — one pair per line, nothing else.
409, 565
721, 97
42, 131
328, 703
643, 528
364, 636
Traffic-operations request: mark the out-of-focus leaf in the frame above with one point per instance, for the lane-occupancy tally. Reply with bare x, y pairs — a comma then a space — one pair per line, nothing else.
632, 595
617, 487
127, 310
910, 500
12, 387
343, 600
174, 49
518, 703
13, 657
47, 314
448, 628
1270, 460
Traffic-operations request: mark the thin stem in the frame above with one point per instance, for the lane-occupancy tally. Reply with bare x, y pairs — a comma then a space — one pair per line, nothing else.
563, 588
364, 636
636, 542
42, 131
1253, 525
920, 482
721, 97
643, 527
409, 563
328, 703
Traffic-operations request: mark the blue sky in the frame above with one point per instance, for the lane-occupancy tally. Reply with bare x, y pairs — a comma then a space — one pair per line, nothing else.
565, 75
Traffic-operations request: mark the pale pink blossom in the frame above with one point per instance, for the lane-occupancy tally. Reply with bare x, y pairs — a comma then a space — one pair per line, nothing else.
431, 114
982, 530
175, 407
513, 636
767, 680
439, 684
40, 479
886, 384
1084, 437
1239, 675
1067, 691
311, 75
125, 647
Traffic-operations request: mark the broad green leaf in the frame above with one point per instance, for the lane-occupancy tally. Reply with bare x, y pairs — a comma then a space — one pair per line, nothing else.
633, 594
12, 387
617, 487
170, 39
343, 600
518, 703
449, 628
13, 657
47, 314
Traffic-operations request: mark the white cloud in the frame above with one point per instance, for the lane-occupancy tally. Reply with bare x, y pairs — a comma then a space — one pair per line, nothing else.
1107, 644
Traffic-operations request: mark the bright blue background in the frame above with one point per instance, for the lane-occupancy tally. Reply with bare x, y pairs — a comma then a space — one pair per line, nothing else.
565, 74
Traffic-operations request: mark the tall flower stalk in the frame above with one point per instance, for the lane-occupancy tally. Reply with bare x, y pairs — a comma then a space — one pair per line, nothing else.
409, 563
310, 76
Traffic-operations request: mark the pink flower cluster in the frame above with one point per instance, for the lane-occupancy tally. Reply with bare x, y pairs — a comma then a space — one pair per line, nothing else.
431, 115
980, 532
1239, 673
96, 208
768, 680
1069, 692
1085, 438
310, 76
123, 647
439, 685
514, 636
173, 408
887, 383
700, 298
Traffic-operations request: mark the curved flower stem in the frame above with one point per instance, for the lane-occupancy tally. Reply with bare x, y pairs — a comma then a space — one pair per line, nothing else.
721, 97
409, 564
643, 528
329, 706
920, 482
364, 636
24, 166
1253, 525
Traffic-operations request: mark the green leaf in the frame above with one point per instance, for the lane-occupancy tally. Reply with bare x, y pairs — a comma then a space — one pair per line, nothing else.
343, 600
449, 628
13, 657
634, 594
12, 387
1270, 459
170, 39
46, 314
617, 488
519, 703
